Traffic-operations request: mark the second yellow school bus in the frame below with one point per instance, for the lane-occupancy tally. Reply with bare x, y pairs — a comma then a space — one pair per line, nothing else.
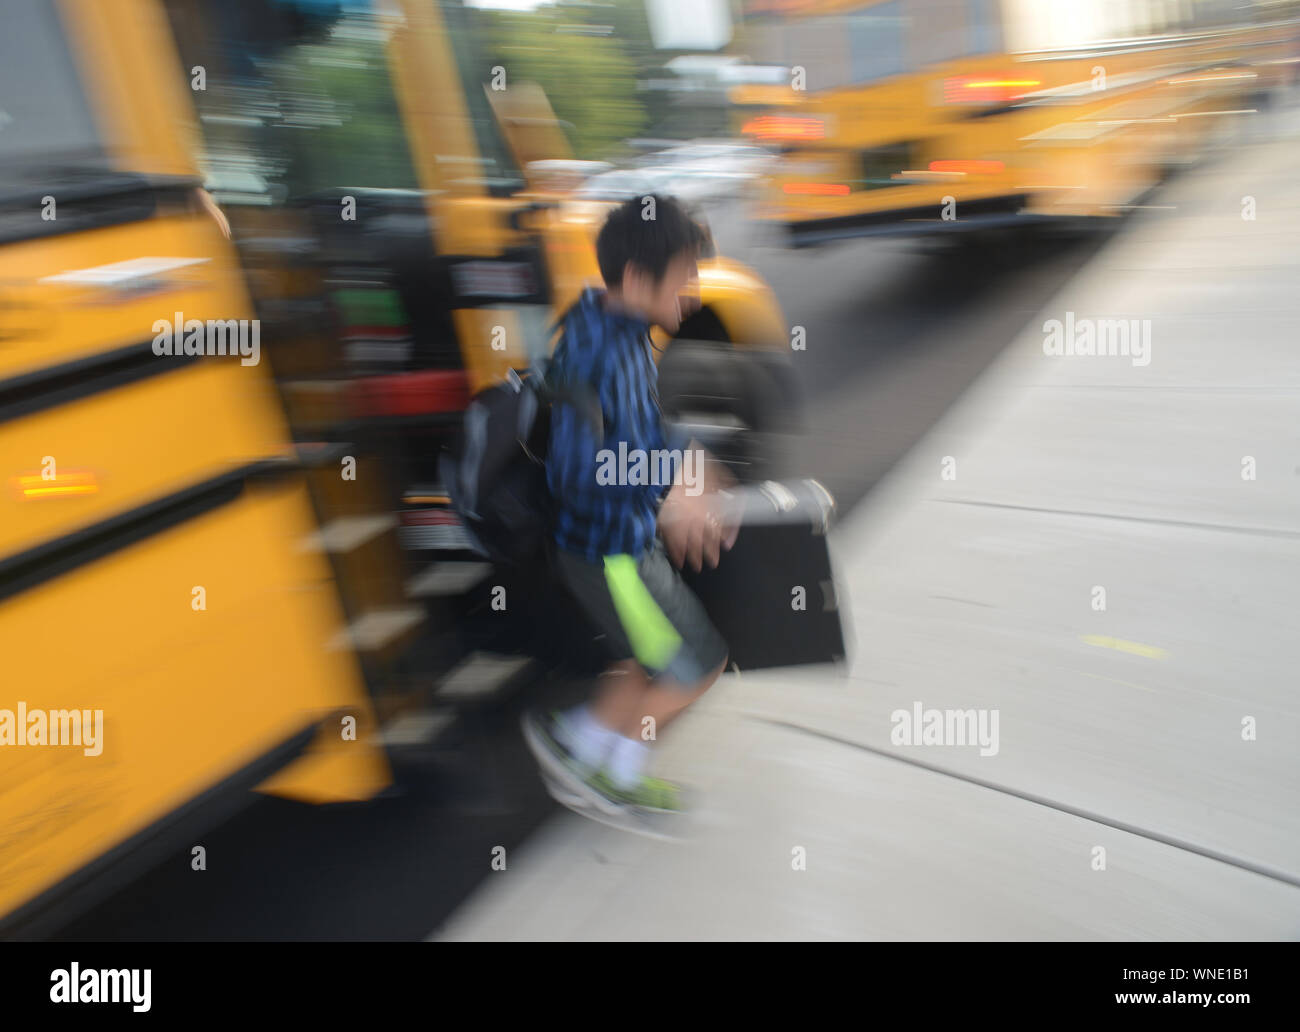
931, 116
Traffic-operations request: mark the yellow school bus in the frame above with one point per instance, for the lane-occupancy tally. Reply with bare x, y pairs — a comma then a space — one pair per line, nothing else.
933, 116
171, 638
178, 623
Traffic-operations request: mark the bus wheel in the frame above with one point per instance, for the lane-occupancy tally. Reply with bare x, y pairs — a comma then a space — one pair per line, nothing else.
727, 399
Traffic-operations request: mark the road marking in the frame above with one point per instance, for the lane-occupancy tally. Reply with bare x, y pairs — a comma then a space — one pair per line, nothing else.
1116, 680
1161, 521
1277, 874
1120, 645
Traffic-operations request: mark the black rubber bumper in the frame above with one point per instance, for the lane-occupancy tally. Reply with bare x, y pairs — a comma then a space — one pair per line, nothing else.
985, 213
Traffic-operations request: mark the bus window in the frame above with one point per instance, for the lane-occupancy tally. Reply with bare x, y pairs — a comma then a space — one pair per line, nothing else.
942, 31
295, 105
878, 41
985, 25
952, 29
43, 112
341, 112
312, 103
475, 76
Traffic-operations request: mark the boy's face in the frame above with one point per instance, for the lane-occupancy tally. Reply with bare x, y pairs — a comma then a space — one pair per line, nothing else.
668, 302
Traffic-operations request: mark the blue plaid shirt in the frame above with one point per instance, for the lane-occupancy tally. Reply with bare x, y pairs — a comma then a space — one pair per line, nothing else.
611, 352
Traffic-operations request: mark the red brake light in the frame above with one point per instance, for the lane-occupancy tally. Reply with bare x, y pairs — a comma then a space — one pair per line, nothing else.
785, 127
817, 189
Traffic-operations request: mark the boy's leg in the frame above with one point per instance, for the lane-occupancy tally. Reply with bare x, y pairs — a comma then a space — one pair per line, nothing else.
627, 696
627, 699
673, 638
591, 730
618, 702
656, 627
666, 702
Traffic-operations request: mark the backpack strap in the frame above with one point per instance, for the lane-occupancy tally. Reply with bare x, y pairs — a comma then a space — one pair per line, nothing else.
581, 396
585, 400
465, 473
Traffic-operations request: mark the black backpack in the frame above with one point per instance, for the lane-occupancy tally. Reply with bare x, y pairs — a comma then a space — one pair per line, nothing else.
495, 472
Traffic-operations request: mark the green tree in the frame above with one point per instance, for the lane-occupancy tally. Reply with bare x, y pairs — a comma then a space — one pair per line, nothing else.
589, 77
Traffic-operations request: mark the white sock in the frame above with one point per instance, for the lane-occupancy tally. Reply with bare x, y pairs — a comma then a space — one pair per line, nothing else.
585, 737
628, 761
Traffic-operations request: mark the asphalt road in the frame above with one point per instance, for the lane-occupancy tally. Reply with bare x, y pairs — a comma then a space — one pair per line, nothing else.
894, 335
895, 331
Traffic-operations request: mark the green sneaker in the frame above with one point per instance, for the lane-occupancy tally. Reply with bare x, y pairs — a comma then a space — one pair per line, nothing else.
653, 794
546, 739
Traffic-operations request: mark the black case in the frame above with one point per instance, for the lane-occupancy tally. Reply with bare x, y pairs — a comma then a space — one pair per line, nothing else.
751, 597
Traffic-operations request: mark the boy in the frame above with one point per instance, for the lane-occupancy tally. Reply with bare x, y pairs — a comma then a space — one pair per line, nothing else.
664, 652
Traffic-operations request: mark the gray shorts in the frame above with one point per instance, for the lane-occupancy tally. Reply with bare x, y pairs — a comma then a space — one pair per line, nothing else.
646, 613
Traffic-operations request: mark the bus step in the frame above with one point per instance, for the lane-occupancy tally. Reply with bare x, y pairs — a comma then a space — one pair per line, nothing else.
446, 579
483, 678
348, 533
416, 727
376, 629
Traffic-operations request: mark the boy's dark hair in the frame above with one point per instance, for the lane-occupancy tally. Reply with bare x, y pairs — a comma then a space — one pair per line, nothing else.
631, 235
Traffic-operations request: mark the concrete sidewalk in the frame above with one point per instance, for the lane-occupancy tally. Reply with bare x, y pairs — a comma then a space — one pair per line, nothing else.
1119, 729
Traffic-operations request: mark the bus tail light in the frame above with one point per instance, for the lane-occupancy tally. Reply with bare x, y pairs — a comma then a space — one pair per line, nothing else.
817, 189
785, 127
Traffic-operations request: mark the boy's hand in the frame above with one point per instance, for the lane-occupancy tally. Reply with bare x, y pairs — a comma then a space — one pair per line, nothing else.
209, 204
716, 476
696, 528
